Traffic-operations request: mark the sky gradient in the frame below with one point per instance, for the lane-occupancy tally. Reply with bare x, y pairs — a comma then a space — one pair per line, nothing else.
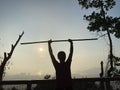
50, 19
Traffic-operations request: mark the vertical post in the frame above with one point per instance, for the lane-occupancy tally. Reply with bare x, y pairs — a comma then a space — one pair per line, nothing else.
29, 86
108, 86
101, 76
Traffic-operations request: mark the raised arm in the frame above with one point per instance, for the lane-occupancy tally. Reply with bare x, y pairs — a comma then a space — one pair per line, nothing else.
71, 51
51, 53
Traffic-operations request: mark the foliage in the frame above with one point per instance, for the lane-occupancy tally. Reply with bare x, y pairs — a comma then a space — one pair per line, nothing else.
108, 4
47, 76
116, 70
99, 20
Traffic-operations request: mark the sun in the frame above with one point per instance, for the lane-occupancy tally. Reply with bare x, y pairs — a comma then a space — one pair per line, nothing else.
40, 49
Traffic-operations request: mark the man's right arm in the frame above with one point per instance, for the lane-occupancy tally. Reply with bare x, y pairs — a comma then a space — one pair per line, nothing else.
51, 53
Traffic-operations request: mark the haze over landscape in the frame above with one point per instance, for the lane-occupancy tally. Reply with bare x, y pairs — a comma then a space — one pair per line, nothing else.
45, 20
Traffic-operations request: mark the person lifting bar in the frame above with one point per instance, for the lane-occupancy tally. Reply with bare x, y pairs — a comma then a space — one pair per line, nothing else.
62, 68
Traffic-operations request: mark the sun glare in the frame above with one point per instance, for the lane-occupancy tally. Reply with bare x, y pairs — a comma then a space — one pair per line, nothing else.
40, 49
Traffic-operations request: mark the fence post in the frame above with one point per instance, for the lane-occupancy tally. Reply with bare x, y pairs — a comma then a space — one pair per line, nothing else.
108, 86
101, 76
102, 85
28, 86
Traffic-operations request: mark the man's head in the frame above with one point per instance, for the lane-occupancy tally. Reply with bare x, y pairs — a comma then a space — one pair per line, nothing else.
61, 56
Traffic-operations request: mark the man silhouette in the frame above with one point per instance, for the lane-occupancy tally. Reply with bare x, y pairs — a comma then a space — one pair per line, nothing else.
62, 68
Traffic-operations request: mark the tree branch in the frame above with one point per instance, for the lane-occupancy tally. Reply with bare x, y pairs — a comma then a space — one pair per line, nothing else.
8, 56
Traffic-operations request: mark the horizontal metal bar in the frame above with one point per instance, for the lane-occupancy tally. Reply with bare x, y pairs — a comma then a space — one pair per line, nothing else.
15, 82
58, 41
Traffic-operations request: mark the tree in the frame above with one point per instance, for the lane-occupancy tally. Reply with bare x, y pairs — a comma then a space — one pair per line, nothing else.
100, 21
7, 57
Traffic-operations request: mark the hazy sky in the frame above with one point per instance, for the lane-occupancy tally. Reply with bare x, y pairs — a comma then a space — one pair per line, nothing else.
44, 20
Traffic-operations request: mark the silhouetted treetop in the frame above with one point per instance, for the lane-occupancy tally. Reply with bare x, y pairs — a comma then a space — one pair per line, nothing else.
99, 20
107, 4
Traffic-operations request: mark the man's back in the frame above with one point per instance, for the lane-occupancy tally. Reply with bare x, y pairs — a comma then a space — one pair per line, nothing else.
63, 75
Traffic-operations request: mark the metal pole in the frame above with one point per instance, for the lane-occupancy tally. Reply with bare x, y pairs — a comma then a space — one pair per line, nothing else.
58, 41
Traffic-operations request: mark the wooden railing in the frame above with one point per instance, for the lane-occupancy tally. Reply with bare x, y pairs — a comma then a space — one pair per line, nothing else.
78, 84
